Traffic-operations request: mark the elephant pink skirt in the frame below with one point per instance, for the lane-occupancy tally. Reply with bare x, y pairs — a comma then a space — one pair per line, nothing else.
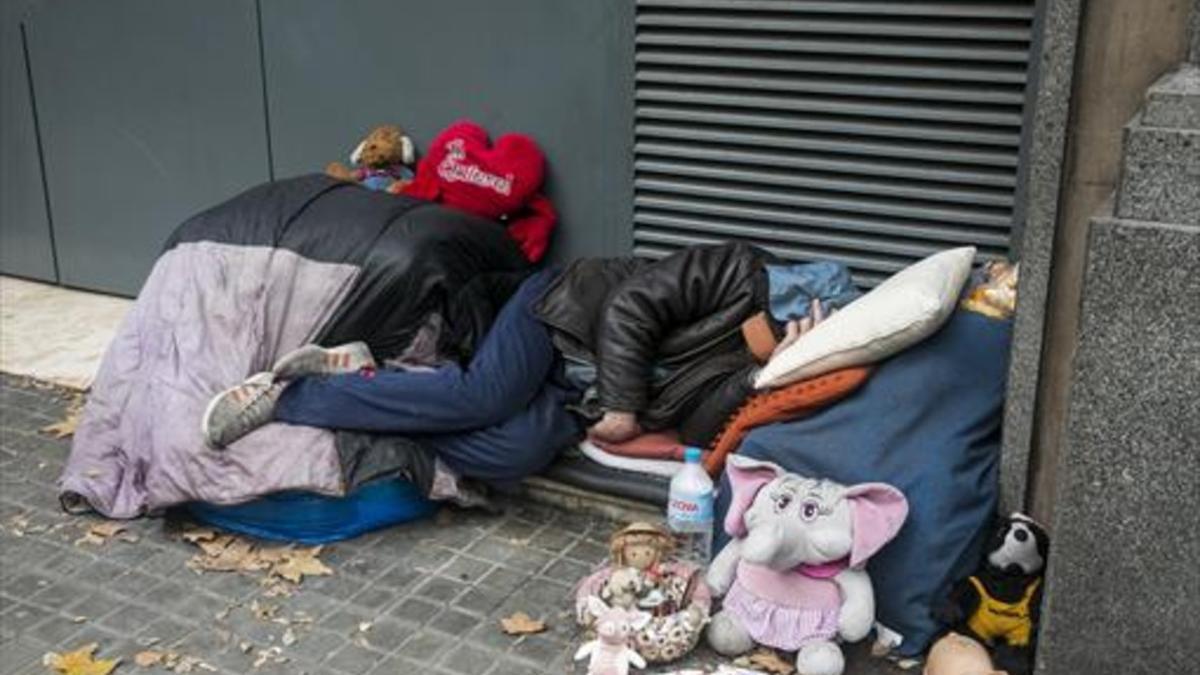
785, 610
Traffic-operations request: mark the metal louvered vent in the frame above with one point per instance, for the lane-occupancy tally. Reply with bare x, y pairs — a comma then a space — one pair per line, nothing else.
874, 133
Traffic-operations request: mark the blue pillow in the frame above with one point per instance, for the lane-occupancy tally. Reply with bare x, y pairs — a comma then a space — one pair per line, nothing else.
928, 422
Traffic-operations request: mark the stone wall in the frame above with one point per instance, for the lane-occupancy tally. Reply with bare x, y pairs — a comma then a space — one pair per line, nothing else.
1123, 48
1194, 52
1123, 582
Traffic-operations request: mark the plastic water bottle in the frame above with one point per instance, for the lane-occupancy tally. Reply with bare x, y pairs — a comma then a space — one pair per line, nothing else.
690, 510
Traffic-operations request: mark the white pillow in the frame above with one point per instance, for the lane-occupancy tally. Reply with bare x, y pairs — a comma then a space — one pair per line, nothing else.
905, 309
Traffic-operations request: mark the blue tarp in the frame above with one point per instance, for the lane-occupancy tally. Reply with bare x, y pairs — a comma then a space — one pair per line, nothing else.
308, 518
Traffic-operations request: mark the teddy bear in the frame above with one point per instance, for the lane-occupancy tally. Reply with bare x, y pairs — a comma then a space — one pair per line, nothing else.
793, 576
610, 653
624, 587
1000, 604
382, 161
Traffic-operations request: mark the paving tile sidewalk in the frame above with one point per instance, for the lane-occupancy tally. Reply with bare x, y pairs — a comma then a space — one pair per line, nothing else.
432, 592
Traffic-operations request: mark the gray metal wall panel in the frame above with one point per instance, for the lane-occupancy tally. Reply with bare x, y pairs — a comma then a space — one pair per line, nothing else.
150, 111
558, 70
25, 242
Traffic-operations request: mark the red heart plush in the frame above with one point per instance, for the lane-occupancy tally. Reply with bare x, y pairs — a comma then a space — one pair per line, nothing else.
464, 169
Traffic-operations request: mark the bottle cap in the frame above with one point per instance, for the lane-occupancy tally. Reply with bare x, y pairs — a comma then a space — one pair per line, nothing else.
691, 455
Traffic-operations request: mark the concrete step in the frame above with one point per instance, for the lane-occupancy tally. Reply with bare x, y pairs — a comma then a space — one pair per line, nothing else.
1174, 100
1160, 173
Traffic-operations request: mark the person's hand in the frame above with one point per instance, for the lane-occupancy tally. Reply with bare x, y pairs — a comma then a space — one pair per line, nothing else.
798, 328
616, 427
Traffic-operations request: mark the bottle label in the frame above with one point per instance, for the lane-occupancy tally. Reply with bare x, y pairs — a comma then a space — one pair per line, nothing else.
690, 508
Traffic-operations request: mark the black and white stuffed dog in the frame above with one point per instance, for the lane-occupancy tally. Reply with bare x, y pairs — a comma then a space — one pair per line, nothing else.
1000, 604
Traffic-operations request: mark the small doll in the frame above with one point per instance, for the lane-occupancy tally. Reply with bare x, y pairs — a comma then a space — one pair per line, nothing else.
637, 551
642, 546
610, 652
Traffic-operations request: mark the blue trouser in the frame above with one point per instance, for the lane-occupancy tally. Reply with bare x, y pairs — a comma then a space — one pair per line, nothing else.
499, 419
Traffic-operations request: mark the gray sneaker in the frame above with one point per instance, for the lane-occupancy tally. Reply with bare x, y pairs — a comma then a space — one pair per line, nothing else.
317, 360
239, 410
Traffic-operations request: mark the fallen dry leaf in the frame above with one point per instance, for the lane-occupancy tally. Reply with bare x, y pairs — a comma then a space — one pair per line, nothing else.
64, 428
521, 624
18, 523
269, 655
90, 539
147, 658
199, 534
262, 611
229, 553
214, 546
274, 554
276, 587
80, 662
237, 555
107, 528
769, 661
299, 564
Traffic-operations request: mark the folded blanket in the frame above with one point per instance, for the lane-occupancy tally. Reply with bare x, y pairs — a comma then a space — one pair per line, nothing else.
791, 402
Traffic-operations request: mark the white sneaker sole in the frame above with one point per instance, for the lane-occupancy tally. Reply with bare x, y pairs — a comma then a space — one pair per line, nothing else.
212, 406
208, 413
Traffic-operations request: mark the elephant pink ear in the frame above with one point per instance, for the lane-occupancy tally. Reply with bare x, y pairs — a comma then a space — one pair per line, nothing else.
878, 511
746, 478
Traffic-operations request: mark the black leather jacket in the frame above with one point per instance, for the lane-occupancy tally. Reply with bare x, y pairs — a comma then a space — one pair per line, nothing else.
680, 316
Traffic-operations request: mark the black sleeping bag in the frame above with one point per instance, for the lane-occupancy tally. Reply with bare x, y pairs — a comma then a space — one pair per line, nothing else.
414, 259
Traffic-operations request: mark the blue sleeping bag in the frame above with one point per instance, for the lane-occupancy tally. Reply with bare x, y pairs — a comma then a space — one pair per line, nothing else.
928, 422
308, 518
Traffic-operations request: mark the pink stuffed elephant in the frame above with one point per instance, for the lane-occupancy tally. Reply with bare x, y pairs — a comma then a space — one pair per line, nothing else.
793, 575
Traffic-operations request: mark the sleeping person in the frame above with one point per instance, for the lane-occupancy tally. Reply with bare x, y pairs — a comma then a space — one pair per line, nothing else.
669, 344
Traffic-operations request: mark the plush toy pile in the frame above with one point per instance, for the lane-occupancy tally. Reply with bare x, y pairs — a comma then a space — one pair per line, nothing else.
464, 169
642, 579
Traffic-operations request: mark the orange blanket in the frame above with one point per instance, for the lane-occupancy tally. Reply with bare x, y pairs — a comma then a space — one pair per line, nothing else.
795, 400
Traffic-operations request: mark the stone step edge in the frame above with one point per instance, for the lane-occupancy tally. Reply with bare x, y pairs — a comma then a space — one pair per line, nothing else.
571, 499
1173, 101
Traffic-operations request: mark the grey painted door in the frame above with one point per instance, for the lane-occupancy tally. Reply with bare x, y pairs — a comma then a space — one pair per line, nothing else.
25, 239
150, 111
559, 70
